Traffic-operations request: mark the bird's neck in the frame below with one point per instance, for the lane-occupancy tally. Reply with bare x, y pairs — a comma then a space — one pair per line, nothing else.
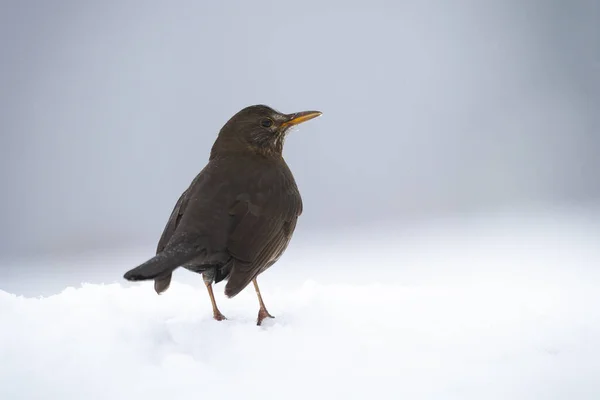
224, 147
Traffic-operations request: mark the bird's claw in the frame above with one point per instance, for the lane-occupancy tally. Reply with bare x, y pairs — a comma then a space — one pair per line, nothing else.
219, 317
262, 314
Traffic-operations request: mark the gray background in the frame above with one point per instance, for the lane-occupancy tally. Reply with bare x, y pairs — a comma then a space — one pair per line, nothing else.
108, 109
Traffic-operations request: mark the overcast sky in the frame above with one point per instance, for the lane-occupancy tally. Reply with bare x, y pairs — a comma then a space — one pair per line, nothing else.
108, 109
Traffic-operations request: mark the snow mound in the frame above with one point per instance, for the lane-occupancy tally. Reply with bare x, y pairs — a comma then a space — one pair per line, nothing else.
331, 341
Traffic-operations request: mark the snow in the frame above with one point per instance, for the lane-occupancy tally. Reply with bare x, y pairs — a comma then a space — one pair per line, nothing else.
495, 309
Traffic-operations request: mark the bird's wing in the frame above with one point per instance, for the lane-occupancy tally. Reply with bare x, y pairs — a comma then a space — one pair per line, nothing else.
243, 218
162, 283
188, 234
264, 224
174, 219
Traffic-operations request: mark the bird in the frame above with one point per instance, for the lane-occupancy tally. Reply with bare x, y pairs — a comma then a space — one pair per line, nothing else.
238, 215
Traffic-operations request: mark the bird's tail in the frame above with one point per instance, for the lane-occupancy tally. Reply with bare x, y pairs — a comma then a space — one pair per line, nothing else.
160, 265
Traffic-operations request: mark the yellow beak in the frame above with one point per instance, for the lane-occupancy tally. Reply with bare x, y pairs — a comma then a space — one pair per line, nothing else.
301, 117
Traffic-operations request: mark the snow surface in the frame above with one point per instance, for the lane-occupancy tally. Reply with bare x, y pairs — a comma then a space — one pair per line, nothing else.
499, 309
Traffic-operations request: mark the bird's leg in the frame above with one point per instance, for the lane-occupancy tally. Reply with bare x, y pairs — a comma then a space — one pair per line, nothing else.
216, 313
262, 313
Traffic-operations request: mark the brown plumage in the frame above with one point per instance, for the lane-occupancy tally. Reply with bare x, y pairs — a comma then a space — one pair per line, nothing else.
238, 215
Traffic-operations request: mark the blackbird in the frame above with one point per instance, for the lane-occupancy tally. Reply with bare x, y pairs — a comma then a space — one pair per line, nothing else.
238, 215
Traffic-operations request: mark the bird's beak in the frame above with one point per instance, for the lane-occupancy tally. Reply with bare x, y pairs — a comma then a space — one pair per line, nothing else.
300, 117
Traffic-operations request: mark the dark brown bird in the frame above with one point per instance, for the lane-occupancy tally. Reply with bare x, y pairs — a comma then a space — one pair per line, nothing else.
238, 215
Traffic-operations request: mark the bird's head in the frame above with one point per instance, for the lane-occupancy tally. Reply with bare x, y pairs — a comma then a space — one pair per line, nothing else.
259, 129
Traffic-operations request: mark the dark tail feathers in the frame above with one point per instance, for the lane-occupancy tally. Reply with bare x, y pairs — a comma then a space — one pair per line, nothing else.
161, 284
159, 266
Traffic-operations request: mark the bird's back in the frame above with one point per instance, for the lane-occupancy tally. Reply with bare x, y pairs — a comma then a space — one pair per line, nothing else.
241, 207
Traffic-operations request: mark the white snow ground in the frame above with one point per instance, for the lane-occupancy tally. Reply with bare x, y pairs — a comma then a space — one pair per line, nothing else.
504, 308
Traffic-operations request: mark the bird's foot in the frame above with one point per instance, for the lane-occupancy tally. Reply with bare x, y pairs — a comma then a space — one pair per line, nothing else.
262, 314
218, 316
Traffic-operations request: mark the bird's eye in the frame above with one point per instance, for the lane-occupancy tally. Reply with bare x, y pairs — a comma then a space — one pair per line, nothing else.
267, 123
